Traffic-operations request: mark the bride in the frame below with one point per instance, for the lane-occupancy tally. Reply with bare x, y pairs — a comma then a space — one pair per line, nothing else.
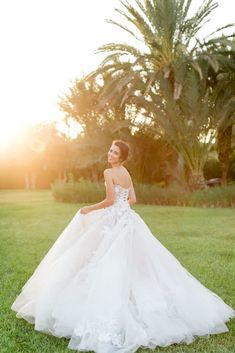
110, 286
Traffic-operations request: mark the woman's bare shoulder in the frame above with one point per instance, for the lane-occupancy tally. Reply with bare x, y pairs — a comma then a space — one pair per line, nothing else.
107, 171
127, 172
116, 174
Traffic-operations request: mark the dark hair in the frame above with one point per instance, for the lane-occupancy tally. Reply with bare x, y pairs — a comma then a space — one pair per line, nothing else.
124, 148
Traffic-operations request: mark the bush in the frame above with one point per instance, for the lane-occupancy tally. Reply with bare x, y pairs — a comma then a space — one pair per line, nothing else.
214, 197
82, 191
92, 192
171, 195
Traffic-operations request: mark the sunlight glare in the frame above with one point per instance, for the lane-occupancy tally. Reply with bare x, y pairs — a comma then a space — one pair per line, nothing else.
10, 131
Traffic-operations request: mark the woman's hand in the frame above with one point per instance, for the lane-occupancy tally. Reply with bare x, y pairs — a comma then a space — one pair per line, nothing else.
84, 210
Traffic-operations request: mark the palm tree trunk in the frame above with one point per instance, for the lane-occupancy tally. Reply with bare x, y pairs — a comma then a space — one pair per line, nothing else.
196, 180
224, 147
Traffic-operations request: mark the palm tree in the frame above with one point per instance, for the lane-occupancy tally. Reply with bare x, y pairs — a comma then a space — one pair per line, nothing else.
188, 123
166, 42
225, 108
222, 84
156, 72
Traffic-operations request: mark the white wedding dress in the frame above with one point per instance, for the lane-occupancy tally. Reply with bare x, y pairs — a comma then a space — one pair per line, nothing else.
110, 286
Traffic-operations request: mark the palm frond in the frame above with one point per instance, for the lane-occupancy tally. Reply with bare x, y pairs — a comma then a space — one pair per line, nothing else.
137, 20
125, 28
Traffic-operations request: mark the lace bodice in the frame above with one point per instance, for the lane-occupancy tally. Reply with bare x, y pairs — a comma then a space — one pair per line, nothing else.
121, 194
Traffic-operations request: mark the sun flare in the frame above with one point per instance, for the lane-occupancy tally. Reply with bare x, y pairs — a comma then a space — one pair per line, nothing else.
10, 131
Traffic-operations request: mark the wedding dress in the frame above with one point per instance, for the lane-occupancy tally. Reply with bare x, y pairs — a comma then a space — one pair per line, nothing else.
110, 286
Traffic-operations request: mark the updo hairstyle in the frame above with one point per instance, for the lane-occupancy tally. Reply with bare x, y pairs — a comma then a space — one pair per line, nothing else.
124, 148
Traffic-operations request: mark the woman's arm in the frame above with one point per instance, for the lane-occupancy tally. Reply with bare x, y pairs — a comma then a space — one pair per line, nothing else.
110, 195
132, 196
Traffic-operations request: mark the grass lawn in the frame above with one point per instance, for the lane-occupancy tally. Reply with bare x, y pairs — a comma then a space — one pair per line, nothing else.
203, 240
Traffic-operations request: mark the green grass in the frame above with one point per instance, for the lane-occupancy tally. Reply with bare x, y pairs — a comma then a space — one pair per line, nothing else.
202, 239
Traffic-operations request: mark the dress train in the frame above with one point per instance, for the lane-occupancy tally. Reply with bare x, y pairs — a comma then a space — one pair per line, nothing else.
110, 286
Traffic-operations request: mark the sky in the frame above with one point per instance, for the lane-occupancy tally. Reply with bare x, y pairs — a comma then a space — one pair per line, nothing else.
46, 44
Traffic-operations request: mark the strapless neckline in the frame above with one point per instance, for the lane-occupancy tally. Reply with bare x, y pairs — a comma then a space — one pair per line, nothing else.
121, 186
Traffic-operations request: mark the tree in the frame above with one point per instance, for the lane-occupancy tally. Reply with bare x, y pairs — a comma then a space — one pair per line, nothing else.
225, 109
99, 127
188, 123
158, 72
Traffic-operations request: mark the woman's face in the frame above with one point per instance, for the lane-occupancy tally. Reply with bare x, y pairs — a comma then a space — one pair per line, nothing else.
114, 154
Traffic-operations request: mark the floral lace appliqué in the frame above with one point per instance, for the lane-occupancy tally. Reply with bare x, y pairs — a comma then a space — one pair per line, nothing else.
104, 331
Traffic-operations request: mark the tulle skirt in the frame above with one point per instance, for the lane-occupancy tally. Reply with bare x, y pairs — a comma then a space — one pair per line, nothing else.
110, 286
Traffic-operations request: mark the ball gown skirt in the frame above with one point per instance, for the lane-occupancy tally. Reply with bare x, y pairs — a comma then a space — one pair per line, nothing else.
110, 286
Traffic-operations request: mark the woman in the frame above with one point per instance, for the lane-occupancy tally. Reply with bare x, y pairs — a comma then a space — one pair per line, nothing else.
110, 286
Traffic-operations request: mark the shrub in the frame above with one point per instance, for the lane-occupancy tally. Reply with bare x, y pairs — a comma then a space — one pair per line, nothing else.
82, 191
92, 192
171, 195
214, 197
